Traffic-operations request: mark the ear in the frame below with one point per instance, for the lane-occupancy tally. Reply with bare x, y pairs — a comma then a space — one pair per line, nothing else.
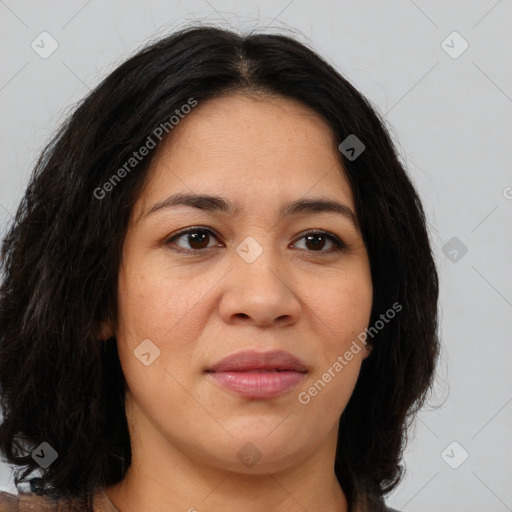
367, 351
106, 330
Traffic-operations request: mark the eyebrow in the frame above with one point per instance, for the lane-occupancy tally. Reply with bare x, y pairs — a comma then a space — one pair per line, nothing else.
211, 203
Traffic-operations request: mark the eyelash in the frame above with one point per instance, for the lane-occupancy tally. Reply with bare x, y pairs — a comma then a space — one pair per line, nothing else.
339, 245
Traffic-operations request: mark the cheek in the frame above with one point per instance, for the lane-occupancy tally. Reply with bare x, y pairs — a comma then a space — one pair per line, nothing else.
344, 313
159, 305
156, 303
153, 307
342, 309
344, 305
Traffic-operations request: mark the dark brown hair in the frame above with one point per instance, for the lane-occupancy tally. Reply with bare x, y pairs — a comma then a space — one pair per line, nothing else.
60, 258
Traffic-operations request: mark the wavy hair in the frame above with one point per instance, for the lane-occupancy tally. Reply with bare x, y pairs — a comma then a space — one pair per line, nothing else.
60, 258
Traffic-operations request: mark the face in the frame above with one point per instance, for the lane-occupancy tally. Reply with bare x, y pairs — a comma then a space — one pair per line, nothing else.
249, 272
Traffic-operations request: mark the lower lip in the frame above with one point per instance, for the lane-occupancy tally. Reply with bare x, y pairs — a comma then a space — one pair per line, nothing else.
258, 384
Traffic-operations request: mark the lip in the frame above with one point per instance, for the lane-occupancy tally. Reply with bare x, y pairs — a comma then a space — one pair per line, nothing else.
254, 374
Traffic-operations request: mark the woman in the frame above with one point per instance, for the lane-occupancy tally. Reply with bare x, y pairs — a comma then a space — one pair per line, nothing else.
218, 291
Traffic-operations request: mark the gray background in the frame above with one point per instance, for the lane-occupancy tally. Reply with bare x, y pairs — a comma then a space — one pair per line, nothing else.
452, 120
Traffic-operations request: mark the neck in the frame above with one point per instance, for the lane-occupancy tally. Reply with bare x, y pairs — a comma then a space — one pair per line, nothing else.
140, 491
164, 478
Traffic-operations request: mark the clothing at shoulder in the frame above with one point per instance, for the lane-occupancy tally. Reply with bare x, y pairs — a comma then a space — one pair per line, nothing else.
33, 503
8, 502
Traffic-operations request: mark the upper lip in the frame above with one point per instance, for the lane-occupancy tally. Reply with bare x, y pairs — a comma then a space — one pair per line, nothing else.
254, 360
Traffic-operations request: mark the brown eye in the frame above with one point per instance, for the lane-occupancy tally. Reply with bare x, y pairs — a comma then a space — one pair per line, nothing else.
193, 240
316, 242
198, 239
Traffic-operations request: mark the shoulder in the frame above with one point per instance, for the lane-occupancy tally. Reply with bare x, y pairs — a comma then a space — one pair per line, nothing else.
8, 502
34, 503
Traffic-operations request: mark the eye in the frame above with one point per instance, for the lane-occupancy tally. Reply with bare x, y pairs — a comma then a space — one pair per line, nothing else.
315, 241
197, 239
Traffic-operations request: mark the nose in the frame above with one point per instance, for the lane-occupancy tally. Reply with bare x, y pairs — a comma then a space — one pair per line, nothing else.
259, 294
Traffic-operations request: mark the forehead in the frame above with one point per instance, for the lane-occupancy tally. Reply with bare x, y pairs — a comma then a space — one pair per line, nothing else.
264, 147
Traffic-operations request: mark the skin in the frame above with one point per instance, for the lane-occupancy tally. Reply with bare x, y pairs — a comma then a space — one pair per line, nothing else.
186, 431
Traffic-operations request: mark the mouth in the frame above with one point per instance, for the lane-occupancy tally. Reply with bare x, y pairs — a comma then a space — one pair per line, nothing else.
253, 374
